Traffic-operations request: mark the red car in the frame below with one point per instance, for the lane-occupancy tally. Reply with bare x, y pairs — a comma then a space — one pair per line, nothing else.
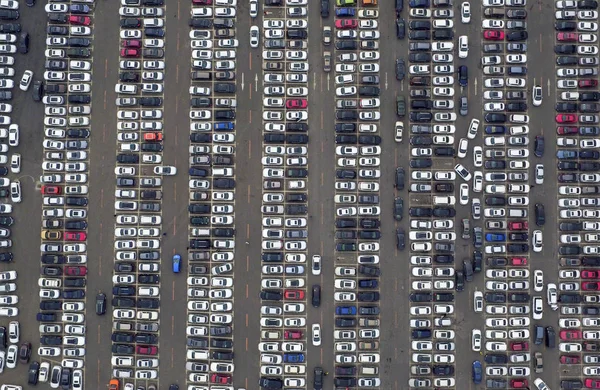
296, 103
569, 334
566, 37
146, 350
519, 346
132, 43
566, 118
81, 20
153, 137
493, 35
51, 190
220, 378
76, 270
130, 53
567, 359
590, 347
592, 383
587, 274
590, 286
75, 236
518, 383
346, 23
523, 225
588, 83
566, 130
294, 294
292, 334
522, 261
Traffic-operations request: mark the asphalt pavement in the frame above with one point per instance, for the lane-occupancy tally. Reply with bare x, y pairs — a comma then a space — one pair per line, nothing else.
395, 338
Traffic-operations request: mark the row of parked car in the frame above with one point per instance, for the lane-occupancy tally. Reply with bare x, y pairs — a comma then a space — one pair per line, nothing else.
138, 194
285, 177
355, 40
577, 120
65, 93
433, 242
210, 346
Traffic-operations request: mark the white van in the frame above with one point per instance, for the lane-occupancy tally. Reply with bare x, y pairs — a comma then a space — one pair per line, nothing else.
518, 118
197, 232
158, 23
517, 213
463, 46
444, 200
369, 370
227, 172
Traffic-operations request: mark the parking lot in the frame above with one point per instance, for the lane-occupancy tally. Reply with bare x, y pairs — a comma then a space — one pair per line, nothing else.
421, 175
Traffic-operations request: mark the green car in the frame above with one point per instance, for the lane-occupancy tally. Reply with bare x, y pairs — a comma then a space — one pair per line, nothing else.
400, 106
342, 3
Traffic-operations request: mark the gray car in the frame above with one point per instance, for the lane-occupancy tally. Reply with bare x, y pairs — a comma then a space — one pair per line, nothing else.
464, 106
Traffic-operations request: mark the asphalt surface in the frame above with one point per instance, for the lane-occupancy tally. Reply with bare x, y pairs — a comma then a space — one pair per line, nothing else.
395, 341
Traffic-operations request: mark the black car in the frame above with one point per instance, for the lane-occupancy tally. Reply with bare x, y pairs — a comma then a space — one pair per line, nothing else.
419, 57
271, 295
400, 239
347, 44
224, 88
496, 359
468, 270
12, 28
419, 35
459, 278
46, 317
123, 349
368, 310
148, 279
50, 305
420, 212
224, 183
33, 373
324, 8
6, 257
369, 91
516, 36
400, 69
399, 178
539, 144
495, 118
400, 28
148, 303
369, 223
24, 43
270, 383
51, 340
6, 14
398, 208
155, 32
420, 297
369, 270
316, 295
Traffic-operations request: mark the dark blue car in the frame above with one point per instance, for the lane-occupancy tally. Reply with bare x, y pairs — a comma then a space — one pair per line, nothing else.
368, 283
419, 3
345, 12
345, 310
566, 154
477, 372
224, 126
293, 357
176, 263
495, 237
